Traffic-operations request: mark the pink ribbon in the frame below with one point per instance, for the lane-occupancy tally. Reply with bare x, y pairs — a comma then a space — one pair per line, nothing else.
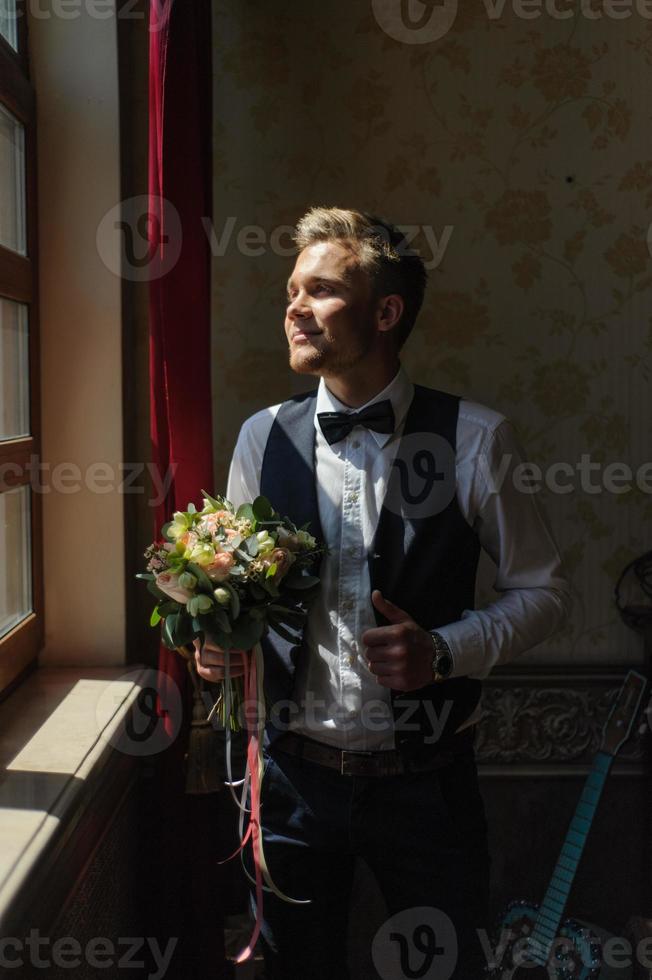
254, 694
253, 830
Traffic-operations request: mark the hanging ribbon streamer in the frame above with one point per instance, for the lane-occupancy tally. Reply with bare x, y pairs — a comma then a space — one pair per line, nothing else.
255, 726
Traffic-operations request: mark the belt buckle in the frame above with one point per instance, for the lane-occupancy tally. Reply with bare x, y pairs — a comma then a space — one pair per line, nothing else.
348, 755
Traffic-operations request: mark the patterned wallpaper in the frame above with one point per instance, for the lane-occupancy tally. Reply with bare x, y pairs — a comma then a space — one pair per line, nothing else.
518, 150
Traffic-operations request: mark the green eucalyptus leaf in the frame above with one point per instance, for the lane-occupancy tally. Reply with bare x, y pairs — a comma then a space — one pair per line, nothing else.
245, 512
204, 583
169, 627
156, 592
235, 599
222, 620
271, 587
262, 509
246, 632
251, 544
171, 606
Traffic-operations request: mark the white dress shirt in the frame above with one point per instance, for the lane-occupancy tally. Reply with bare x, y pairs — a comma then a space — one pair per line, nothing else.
339, 700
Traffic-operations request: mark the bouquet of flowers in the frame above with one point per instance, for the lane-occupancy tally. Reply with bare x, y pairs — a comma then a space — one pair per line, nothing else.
230, 575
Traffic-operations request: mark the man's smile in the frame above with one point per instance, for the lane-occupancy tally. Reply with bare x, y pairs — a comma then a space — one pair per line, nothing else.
301, 336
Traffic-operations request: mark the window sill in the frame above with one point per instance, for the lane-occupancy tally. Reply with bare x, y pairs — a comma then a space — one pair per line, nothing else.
56, 755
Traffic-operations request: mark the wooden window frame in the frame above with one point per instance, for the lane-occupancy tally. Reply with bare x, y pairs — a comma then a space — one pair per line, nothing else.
19, 648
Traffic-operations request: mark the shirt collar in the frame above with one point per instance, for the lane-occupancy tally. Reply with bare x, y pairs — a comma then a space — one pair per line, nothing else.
400, 392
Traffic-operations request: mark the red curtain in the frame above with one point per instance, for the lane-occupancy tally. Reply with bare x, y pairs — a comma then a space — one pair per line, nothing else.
183, 835
180, 165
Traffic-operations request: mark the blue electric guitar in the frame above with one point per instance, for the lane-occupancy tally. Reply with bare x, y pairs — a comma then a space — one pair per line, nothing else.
536, 942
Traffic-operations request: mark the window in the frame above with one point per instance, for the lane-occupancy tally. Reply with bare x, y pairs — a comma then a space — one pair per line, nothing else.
21, 565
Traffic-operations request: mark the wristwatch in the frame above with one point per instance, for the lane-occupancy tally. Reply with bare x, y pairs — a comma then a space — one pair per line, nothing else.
442, 659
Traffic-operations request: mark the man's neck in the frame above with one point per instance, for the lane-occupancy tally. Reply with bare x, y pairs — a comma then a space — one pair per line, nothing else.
356, 390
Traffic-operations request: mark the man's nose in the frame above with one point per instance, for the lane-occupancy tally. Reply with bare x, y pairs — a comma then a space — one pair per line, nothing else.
298, 307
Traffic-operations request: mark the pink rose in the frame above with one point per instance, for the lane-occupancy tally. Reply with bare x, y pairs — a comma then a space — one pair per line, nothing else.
219, 569
168, 582
288, 540
282, 558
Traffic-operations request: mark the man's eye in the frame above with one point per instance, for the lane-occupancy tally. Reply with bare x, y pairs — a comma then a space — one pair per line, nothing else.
323, 287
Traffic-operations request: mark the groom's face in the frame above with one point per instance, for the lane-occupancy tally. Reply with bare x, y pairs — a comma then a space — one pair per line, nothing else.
330, 321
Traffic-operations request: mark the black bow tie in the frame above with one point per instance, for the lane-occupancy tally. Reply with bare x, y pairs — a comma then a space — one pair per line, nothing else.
337, 425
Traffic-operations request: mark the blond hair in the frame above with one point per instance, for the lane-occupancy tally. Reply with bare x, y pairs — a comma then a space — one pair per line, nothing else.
382, 251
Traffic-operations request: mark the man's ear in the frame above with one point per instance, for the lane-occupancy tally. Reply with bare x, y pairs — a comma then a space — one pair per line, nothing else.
389, 311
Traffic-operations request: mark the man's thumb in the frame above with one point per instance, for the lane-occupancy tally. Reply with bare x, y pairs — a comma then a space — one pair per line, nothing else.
391, 611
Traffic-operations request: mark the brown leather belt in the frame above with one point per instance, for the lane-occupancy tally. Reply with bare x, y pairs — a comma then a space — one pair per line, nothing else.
387, 762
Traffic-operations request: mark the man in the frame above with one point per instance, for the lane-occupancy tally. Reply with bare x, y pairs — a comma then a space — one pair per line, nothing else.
370, 752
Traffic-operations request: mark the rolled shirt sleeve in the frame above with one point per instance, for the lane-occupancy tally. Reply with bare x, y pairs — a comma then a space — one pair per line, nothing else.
535, 596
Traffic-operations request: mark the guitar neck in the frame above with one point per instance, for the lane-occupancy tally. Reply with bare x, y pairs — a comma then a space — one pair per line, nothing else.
552, 908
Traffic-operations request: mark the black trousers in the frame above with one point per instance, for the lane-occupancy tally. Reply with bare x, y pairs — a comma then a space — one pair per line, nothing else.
423, 835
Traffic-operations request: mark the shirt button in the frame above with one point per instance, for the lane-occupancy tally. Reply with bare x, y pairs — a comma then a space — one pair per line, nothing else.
351, 660
353, 496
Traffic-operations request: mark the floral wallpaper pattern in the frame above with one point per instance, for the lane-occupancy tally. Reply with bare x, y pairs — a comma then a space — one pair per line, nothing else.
520, 151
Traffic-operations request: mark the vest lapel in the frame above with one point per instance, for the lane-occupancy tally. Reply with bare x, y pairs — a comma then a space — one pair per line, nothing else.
394, 531
425, 452
288, 471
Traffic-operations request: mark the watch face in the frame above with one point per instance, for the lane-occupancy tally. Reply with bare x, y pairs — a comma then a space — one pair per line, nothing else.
444, 665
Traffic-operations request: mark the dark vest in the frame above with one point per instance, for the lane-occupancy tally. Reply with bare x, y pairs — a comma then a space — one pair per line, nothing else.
424, 555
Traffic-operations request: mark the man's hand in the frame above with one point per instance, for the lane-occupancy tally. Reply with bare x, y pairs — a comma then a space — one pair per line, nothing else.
210, 661
400, 655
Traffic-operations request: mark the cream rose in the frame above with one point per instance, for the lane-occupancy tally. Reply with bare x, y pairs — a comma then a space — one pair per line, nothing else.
168, 582
219, 569
282, 558
288, 540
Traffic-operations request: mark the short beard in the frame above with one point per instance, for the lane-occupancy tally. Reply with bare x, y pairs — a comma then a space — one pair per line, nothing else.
334, 359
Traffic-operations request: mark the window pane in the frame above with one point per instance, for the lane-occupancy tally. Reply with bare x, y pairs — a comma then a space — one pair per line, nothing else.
14, 370
16, 564
12, 182
8, 22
